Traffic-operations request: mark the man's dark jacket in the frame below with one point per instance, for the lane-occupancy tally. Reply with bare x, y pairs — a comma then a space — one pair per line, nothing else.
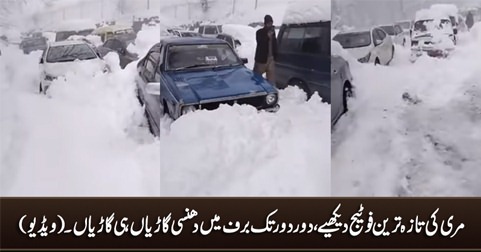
262, 49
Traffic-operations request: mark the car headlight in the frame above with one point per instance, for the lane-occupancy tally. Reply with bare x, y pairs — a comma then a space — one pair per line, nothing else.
365, 58
187, 109
271, 99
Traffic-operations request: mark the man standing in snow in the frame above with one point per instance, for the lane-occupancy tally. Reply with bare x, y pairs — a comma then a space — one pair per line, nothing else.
469, 21
266, 50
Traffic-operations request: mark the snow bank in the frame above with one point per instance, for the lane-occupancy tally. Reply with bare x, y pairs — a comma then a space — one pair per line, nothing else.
426, 14
247, 36
248, 153
412, 129
308, 11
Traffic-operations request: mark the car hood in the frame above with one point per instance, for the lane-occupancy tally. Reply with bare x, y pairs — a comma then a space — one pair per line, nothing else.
359, 52
201, 85
85, 66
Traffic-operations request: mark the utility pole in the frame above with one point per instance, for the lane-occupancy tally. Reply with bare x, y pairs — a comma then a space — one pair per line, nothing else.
233, 6
255, 8
148, 4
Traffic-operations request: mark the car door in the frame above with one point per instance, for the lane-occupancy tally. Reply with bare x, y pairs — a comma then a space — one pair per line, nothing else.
386, 46
149, 74
336, 88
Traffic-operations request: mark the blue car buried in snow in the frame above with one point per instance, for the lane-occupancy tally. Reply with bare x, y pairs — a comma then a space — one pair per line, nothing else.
180, 75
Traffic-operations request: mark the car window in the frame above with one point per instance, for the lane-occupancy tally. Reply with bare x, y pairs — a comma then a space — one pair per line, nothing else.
67, 53
151, 63
200, 55
201, 30
210, 30
292, 39
219, 28
397, 29
389, 29
375, 37
382, 34
312, 40
355, 39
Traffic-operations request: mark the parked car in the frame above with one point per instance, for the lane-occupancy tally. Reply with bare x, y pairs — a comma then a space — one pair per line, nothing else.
303, 58
452, 12
210, 30
341, 87
396, 33
64, 35
115, 31
33, 44
432, 35
179, 75
368, 46
234, 43
64, 56
185, 33
120, 47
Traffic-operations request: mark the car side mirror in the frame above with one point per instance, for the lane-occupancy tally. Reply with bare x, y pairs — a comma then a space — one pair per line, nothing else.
378, 42
455, 31
237, 42
153, 88
41, 60
245, 60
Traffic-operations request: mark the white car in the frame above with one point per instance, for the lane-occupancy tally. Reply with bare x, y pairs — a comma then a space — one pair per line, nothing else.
368, 46
396, 33
68, 56
210, 30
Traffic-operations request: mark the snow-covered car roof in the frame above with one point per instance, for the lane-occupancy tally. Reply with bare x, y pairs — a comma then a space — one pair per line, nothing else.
307, 11
426, 14
446, 9
68, 42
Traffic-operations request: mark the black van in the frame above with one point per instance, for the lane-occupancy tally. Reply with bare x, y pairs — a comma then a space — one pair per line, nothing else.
303, 58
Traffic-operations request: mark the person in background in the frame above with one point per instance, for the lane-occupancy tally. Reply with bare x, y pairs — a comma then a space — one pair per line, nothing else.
469, 20
266, 50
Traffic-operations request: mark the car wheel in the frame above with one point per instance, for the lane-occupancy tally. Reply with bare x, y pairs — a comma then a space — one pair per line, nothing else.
377, 62
40, 89
347, 93
302, 86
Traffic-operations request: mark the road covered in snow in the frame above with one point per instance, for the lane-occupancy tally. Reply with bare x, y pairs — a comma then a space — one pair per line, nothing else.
89, 137
413, 128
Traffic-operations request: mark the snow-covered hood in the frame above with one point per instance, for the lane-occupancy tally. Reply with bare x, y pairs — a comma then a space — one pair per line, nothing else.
359, 52
84, 66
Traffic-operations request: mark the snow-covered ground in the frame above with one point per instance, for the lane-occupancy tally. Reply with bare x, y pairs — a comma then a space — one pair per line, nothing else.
89, 138
428, 144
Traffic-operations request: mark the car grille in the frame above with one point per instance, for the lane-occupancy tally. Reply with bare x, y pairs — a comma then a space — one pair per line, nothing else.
256, 101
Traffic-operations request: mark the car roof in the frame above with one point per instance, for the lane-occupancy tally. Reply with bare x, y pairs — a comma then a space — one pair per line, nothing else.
191, 40
68, 42
355, 31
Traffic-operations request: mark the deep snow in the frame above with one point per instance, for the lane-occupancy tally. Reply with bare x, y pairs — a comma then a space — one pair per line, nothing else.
427, 144
89, 138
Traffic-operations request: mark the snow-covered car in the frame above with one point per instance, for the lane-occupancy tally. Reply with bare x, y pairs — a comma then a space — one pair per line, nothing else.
233, 42
115, 31
341, 86
179, 75
396, 33
368, 46
34, 43
432, 34
303, 58
210, 30
67, 56
120, 47
451, 11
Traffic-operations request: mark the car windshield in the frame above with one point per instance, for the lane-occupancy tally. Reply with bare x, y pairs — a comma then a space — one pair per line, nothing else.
405, 25
353, 40
70, 53
389, 29
210, 30
200, 55
431, 24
